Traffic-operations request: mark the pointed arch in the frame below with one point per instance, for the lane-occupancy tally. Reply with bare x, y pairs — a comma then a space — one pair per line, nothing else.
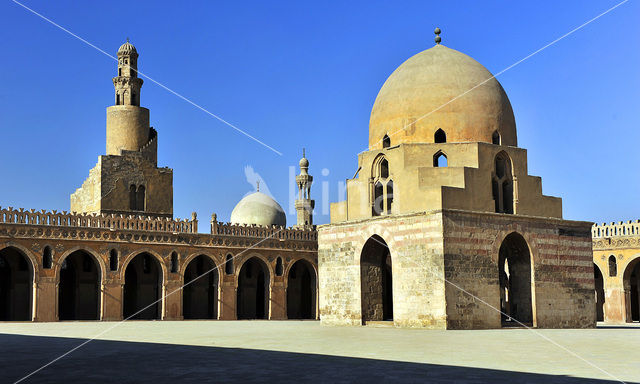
440, 136
502, 183
301, 290
613, 266
79, 274
631, 283
253, 290
495, 138
141, 198
440, 159
228, 265
17, 277
376, 281
386, 141
201, 285
132, 198
600, 298
144, 273
514, 276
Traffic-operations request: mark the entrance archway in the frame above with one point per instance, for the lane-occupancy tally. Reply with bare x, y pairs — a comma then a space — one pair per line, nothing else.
631, 282
16, 285
79, 287
200, 297
599, 282
301, 291
253, 290
142, 288
514, 263
376, 281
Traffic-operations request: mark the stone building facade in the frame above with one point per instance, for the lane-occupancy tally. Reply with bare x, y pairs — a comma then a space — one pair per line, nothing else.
62, 266
616, 258
120, 254
442, 226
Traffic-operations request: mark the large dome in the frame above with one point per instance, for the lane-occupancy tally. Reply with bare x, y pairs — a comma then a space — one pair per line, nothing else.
258, 208
441, 88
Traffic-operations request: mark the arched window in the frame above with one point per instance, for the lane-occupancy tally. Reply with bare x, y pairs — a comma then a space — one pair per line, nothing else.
117, 99
502, 184
140, 198
386, 142
279, 266
382, 187
228, 265
174, 262
440, 159
47, 259
384, 169
113, 260
495, 138
613, 266
132, 197
378, 195
440, 136
389, 198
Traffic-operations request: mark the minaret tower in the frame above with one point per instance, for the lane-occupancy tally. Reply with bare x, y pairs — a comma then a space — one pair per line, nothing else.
127, 180
304, 204
127, 123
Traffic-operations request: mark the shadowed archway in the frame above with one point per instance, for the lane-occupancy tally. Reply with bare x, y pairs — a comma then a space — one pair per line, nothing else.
514, 263
16, 285
79, 287
142, 288
376, 281
599, 282
631, 282
200, 294
253, 290
301, 291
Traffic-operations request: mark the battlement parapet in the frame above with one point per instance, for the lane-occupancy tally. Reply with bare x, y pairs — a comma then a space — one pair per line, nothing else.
86, 220
271, 232
616, 229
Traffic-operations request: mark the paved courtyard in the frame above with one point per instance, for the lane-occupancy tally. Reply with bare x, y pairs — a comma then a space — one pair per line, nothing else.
305, 351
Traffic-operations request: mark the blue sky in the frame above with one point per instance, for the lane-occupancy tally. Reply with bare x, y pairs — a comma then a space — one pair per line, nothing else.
306, 74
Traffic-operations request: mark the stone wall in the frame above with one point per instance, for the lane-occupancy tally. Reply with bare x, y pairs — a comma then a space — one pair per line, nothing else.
461, 247
562, 281
107, 188
415, 244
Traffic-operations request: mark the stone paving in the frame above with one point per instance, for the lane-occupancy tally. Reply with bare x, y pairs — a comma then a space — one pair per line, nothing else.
305, 351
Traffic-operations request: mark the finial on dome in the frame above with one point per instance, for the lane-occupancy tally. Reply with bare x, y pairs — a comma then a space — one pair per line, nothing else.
258, 186
438, 38
127, 39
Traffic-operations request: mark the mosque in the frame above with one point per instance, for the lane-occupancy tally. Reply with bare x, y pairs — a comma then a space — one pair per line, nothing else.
120, 254
442, 227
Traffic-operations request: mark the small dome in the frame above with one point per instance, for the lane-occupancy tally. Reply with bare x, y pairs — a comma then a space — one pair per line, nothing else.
441, 88
304, 163
258, 208
127, 49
